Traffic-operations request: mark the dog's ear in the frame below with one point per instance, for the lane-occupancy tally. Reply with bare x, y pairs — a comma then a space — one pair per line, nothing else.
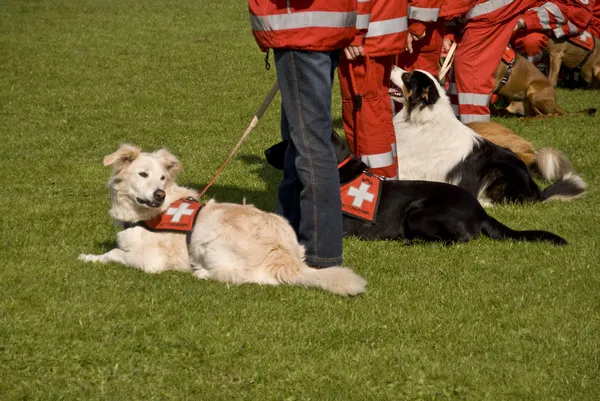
171, 163
430, 94
125, 155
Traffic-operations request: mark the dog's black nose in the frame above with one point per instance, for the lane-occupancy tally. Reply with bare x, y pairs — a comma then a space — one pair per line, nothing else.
159, 195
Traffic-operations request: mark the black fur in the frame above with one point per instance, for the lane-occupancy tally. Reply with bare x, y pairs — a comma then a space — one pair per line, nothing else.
421, 91
420, 210
508, 177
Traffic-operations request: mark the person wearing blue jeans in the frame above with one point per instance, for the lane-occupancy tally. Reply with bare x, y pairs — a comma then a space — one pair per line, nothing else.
309, 194
306, 38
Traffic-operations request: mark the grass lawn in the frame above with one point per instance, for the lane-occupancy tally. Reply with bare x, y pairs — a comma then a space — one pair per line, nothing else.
480, 321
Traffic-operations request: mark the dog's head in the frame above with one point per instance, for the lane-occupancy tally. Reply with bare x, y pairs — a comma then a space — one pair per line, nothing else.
416, 89
142, 177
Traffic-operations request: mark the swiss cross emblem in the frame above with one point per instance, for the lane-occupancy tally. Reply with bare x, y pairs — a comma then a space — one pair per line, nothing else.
179, 216
360, 194
360, 197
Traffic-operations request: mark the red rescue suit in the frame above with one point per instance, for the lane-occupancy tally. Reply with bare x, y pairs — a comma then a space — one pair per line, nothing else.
314, 25
424, 17
557, 18
364, 84
594, 26
488, 27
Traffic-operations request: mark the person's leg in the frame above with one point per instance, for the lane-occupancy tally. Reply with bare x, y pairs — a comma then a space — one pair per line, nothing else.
477, 56
288, 199
305, 81
369, 133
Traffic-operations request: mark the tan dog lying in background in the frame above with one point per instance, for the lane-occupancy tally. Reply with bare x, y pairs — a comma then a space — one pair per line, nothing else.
223, 241
551, 164
530, 92
564, 53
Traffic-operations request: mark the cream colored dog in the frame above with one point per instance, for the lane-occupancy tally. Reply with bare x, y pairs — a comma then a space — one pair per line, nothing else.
229, 242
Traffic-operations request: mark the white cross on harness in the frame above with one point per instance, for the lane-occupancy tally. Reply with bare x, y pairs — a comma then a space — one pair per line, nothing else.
585, 35
181, 210
361, 194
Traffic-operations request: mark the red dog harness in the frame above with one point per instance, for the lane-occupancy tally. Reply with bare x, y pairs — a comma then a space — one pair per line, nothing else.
179, 217
587, 42
509, 57
360, 197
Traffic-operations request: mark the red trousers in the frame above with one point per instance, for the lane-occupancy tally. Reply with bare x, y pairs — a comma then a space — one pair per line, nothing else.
426, 52
369, 131
477, 56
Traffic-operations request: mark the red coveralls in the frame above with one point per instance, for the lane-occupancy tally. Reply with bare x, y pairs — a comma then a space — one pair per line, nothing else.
594, 26
424, 18
370, 131
487, 30
558, 18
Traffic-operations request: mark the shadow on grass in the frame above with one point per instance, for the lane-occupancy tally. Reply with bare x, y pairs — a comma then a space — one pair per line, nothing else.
264, 199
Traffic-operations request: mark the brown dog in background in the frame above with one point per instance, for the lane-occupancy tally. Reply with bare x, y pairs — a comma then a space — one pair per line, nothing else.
562, 52
551, 164
530, 92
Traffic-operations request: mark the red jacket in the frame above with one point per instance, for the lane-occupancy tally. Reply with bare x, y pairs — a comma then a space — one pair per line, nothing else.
422, 13
488, 12
315, 25
563, 17
594, 26
382, 26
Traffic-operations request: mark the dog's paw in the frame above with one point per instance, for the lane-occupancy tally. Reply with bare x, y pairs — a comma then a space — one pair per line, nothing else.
202, 274
89, 258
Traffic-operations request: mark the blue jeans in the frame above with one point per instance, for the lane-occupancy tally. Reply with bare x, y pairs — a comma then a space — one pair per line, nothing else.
309, 194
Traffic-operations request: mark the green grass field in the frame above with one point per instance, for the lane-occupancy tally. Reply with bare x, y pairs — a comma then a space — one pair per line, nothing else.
479, 321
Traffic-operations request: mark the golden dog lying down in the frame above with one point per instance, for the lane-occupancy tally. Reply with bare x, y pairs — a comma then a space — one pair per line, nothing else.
227, 242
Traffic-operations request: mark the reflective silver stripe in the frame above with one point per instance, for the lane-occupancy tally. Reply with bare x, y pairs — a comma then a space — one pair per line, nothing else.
553, 8
378, 160
309, 19
474, 99
387, 27
362, 21
543, 16
559, 32
364, 1
469, 118
423, 14
487, 7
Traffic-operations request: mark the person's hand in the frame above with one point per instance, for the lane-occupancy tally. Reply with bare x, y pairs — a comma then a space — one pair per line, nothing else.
446, 45
353, 52
410, 38
519, 25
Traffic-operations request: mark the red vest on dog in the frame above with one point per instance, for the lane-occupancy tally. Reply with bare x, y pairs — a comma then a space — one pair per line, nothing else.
180, 216
360, 197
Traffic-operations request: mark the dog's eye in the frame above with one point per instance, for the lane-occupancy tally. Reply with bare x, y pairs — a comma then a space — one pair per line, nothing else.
143, 174
162, 178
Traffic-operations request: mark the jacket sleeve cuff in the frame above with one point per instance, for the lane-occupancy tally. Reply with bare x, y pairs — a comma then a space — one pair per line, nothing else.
416, 27
358, 40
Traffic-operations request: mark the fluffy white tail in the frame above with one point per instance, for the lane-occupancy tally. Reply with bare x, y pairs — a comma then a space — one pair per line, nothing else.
338, 280
552, 164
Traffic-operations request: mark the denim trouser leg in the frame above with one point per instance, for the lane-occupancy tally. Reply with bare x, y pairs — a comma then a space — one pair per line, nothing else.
309, 194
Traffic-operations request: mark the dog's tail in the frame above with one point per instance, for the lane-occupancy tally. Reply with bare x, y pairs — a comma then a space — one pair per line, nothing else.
493, 229
338, 280
551, 164
585, 112
567, 188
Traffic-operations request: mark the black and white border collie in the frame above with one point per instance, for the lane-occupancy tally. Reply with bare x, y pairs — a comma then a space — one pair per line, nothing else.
418, 210
433, 145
